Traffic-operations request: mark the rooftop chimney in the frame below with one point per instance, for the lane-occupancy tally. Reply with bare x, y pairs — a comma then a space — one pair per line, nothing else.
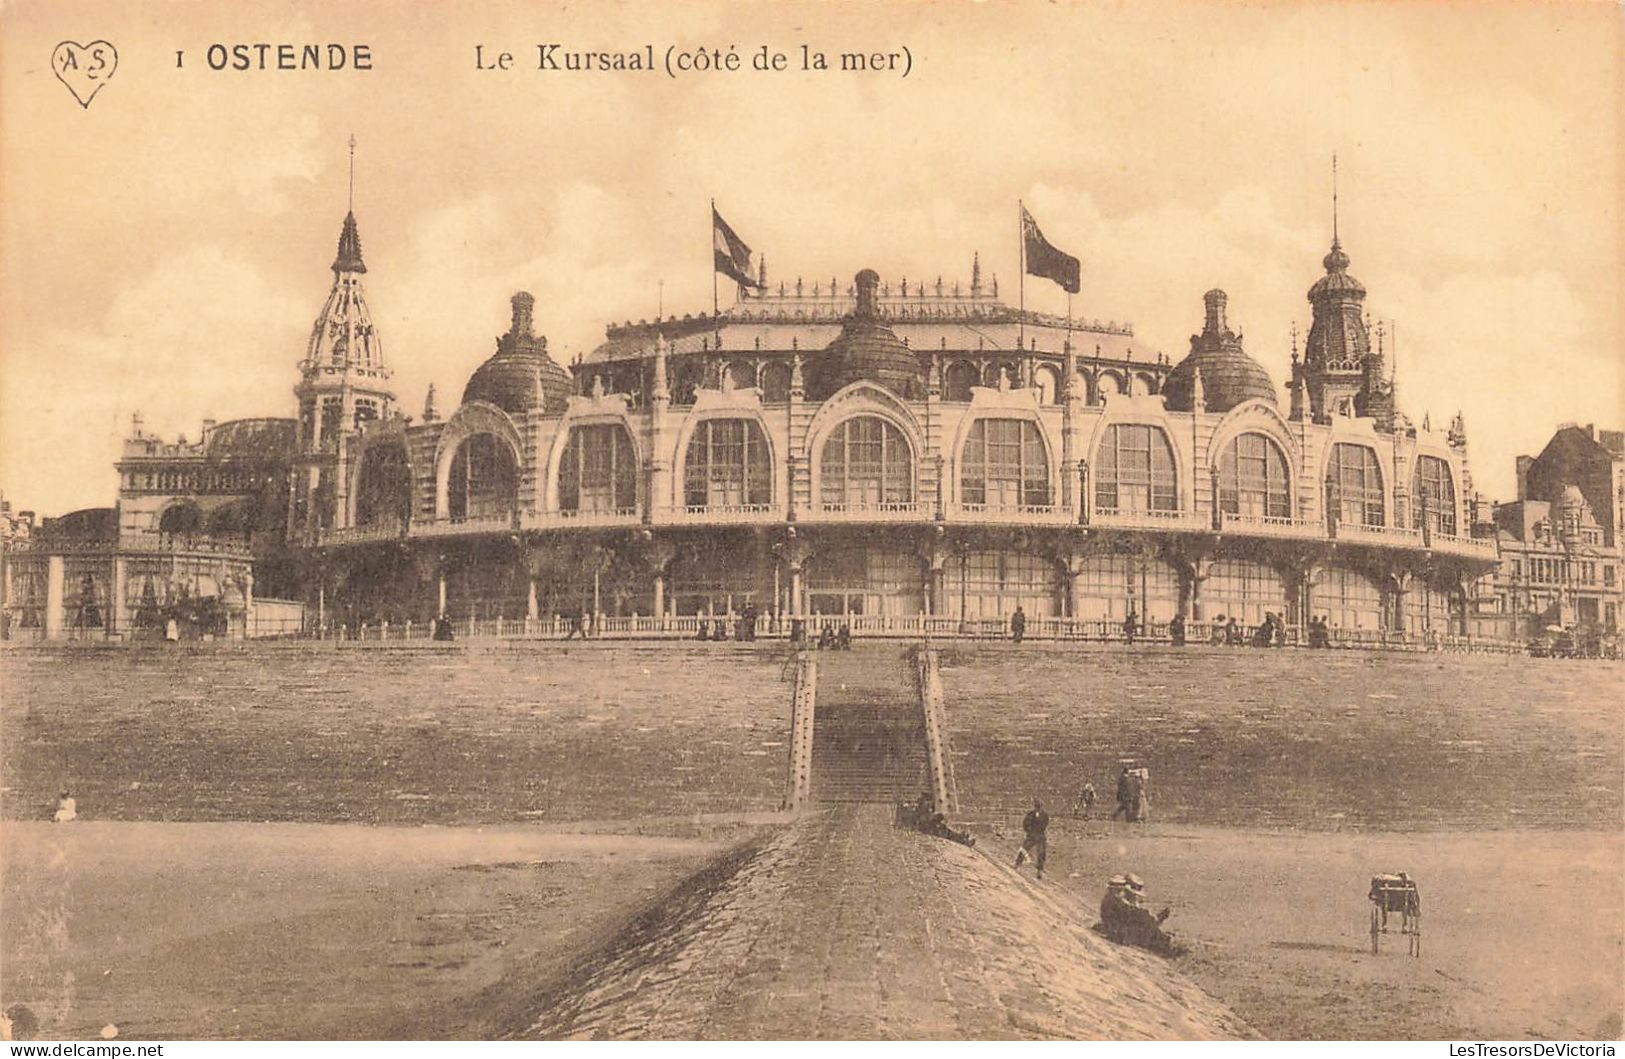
523, 303
1215, 301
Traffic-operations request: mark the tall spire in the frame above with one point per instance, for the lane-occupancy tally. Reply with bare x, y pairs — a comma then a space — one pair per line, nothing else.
1334, 244
349, 255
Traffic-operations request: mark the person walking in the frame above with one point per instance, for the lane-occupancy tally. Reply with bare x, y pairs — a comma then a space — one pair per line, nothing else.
1125, 796
1131, 625
1035, 845
1018, 624
1176, 630
1086, 799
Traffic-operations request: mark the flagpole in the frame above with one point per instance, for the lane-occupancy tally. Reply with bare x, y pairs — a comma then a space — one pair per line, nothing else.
1021, 278
715, 308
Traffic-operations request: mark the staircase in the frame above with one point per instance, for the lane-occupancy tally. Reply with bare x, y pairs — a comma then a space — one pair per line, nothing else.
868, 740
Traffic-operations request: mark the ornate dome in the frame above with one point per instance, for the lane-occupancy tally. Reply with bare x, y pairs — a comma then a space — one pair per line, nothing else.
1229, 376
1337, 279
867, 349
520, 377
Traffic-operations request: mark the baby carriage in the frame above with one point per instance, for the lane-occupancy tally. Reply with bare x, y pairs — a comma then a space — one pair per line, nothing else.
1396, 893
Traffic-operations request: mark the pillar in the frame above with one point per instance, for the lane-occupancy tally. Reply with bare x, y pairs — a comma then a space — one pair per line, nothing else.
248, 604
440, 585
1198, 573
53, 597
115, 621
530, 600
660, 594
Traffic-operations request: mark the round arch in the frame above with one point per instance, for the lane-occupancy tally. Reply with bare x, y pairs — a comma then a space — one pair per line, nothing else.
476, 417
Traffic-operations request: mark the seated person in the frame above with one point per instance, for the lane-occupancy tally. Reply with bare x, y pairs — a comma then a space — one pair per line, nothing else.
843, 639
1125, 920
826, 638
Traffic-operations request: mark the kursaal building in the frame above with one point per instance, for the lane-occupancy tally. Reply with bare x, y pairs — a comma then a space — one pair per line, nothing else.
908, 457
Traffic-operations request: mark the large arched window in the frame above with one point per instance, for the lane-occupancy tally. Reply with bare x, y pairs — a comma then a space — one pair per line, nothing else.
1433, 493
599, 471
1253, 478
1134, 470
1354, 485
484, 479
727, 463
1003, 464
384, 487
866, 461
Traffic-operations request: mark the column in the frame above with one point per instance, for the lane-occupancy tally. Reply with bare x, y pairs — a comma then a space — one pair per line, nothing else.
440, 583
1198, 574
53, 597
248, 604
660, 594
530, 600
114, 620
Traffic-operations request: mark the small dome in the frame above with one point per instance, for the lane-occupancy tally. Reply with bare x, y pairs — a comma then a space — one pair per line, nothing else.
1337, 279
1229, 375
520, 377
866, 349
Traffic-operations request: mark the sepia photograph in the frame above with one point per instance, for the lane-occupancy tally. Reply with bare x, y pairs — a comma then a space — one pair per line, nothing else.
960, 521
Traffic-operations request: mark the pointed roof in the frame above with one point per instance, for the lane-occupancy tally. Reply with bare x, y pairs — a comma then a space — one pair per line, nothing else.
349, 255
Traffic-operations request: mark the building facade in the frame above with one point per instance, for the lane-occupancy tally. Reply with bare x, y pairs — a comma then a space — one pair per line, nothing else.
883, 454
1562, 565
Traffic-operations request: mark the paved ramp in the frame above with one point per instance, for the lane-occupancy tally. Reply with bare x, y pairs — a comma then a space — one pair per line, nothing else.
841, 926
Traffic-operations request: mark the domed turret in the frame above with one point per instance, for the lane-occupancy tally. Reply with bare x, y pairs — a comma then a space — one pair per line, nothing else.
867, 349
1229, 376
520, 377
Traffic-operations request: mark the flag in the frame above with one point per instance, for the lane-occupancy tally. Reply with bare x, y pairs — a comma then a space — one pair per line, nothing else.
1043, 259
731, 253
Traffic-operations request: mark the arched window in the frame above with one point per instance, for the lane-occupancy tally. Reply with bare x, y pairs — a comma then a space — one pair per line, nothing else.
1354, 485
1004, 465
1135, 470
1253, 478
484, 479
1048, 382
1433, 493
727, 463
741, 374
599, 471
866, 461
384, 487
958, 380
1141, 384
776, 382
1107, 384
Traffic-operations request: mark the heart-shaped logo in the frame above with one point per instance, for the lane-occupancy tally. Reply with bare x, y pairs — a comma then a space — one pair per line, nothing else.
84, 68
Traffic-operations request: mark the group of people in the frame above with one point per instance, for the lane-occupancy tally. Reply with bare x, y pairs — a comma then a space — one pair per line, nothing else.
744, 626
1125, 919
1271, 632
1133, 794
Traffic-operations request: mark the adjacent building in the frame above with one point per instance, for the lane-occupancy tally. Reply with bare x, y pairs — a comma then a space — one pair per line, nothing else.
1562, 564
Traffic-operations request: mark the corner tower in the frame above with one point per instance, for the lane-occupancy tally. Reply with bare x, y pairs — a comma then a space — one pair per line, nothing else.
343, 385
1341, 372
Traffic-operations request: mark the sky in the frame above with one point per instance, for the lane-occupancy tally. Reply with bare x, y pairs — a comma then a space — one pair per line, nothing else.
166, 249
